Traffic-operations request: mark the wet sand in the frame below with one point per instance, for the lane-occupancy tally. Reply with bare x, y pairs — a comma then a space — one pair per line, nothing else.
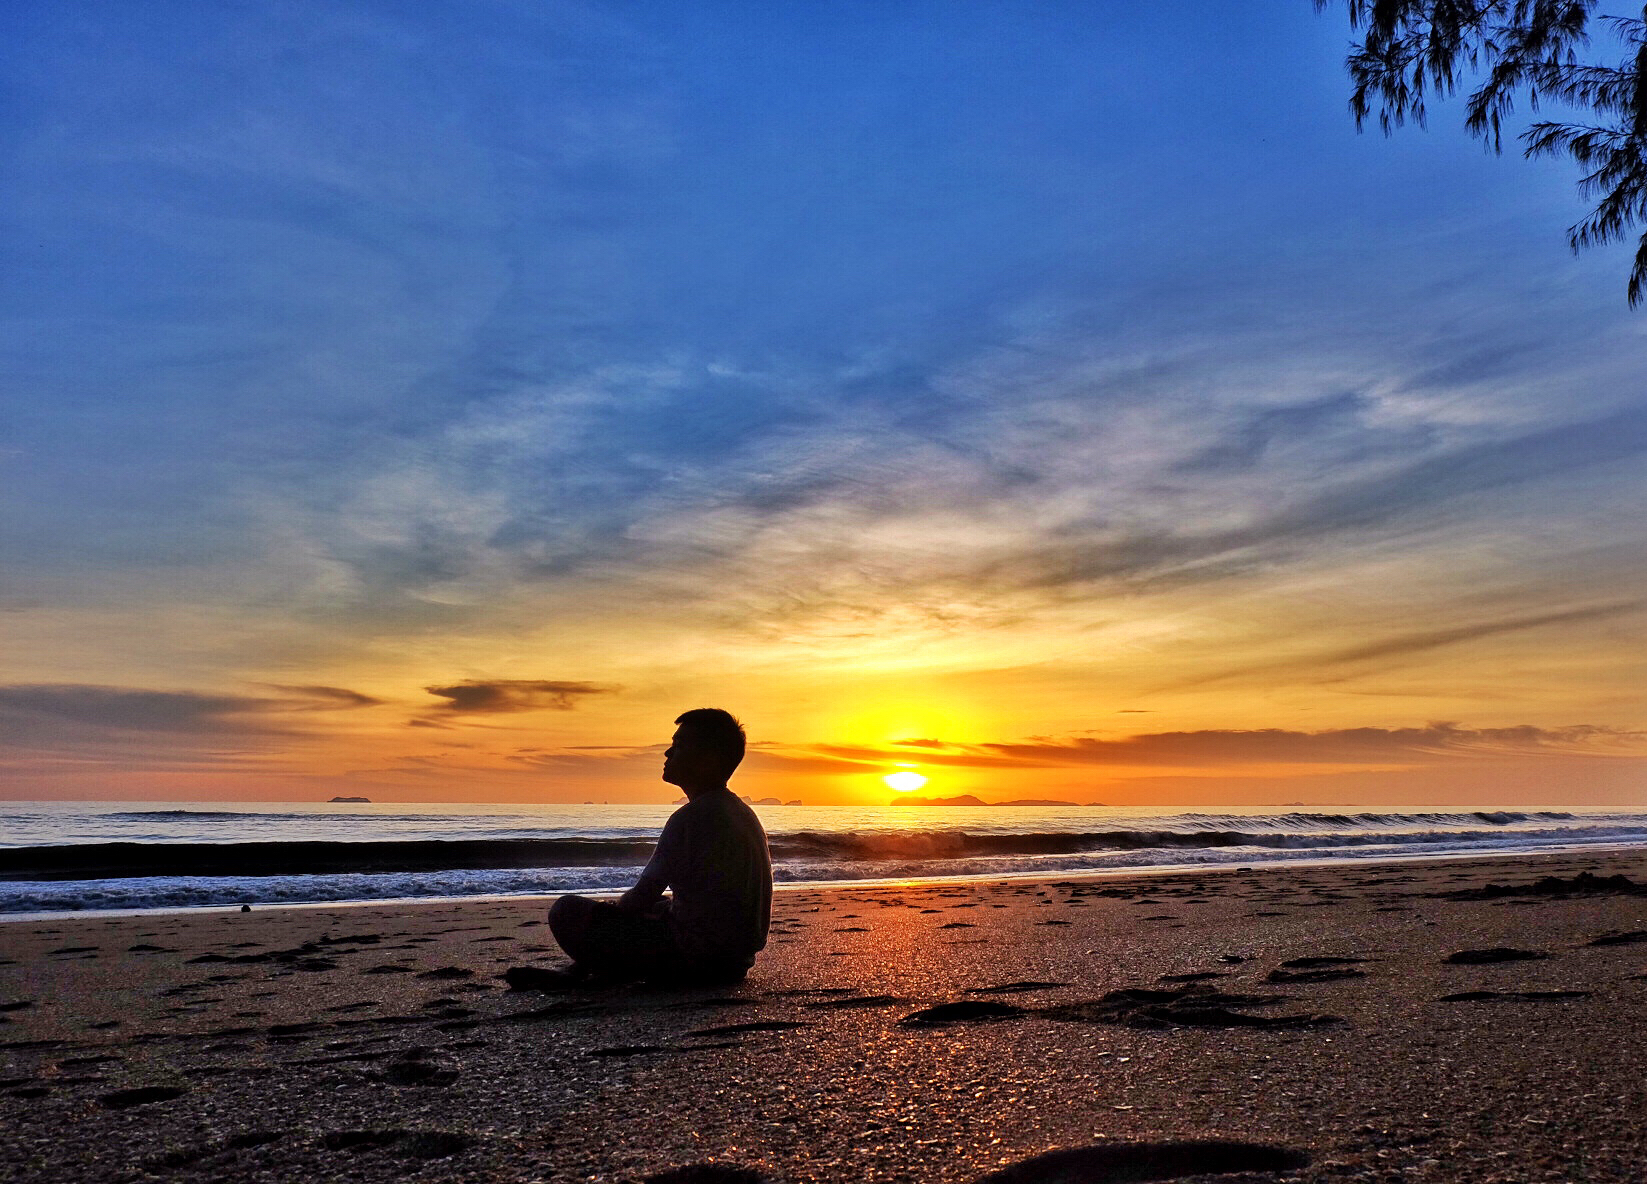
1362, 1018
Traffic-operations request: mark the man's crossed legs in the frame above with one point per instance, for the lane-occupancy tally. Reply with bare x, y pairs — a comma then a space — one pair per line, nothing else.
611, 944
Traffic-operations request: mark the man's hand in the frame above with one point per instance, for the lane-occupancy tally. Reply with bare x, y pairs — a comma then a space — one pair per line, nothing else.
643, 897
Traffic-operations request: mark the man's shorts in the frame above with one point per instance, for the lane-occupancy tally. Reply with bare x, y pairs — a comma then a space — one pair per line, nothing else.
630, 945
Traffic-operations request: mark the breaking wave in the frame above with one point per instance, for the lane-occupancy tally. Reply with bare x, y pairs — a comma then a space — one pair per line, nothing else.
70, 876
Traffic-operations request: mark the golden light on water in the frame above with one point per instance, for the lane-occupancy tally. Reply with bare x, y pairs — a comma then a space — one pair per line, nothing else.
904, 782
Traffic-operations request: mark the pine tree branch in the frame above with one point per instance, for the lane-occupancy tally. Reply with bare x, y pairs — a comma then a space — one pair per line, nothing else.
1411, 50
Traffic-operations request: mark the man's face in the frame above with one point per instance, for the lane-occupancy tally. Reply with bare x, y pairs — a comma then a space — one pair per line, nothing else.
685, 763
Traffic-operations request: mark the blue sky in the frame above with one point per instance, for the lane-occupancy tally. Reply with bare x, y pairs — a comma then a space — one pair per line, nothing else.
1008, 345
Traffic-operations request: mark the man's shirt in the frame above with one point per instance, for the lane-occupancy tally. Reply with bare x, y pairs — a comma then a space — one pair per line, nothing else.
713, 856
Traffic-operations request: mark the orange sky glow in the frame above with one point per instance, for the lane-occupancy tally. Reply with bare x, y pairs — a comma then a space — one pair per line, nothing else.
1190, 708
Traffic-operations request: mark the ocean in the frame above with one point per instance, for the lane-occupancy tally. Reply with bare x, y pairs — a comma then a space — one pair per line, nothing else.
76, 856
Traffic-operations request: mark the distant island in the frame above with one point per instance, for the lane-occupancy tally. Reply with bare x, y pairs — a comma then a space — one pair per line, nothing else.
967, 799
368, 800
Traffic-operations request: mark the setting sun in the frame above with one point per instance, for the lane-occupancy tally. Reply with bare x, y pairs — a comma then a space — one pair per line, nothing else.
904, 782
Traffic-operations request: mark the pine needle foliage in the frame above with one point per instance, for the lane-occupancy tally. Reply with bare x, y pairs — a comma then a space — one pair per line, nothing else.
1413, 51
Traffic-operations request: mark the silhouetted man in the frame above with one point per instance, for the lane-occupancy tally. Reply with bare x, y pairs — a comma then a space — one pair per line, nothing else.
712, 857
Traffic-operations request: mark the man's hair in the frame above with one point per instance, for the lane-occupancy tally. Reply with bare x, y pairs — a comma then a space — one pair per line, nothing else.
717, 731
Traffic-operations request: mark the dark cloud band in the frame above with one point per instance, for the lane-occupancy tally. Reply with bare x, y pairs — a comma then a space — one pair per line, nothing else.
496, 696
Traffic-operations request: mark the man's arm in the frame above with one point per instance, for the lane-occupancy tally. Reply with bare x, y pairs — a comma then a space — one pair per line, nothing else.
659, 870
648, 890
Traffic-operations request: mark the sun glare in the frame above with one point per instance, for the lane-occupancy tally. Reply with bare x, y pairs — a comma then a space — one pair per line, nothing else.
904, 782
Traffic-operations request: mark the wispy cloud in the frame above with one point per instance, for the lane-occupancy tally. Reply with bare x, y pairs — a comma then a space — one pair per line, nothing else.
321, 698
506, 695
139, 710
1413, 643
1232, 748
1323, 664
1213, 747
74, 726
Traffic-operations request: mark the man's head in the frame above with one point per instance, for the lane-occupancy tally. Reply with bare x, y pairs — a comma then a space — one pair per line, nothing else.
707, 747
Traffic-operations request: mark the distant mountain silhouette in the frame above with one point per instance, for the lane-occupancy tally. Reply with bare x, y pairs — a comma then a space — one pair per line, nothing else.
349, 799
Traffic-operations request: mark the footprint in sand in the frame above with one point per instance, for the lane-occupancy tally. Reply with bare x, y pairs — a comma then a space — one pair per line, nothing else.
278, 1030
1197, 977
124, 1099
1513, 996
969, 1011
1147, 1161
81, 1062
1630, 938
1192, 1006
1313, 976
1496, 954
1315, 970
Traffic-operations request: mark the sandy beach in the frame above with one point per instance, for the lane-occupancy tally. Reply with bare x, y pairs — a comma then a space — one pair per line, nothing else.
1388, 1022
